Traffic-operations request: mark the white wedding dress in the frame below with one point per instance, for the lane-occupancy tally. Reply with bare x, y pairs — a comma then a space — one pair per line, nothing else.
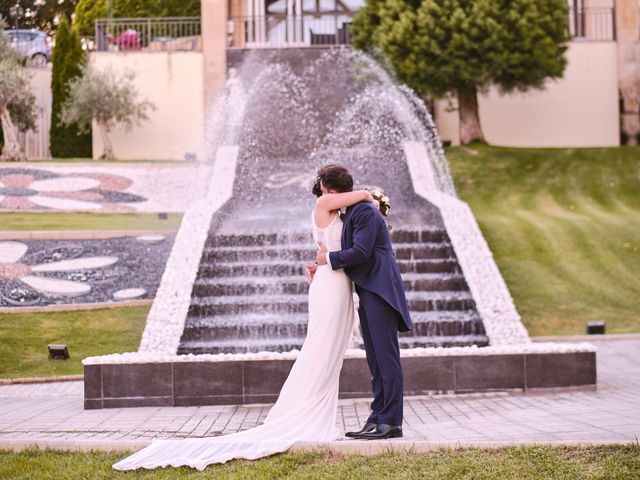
306, 408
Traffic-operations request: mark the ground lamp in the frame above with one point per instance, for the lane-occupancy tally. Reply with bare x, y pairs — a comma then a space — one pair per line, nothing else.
58, 351
596, 327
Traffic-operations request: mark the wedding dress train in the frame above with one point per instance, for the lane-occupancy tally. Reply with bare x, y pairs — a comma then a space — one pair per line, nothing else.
306, 408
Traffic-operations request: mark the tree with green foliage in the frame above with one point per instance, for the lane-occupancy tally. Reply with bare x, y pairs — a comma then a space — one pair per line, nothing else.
68, 58
463, 47
88, 11
17, 103
106, 98
39, 14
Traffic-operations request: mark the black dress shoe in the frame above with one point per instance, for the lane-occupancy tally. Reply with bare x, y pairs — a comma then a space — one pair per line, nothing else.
368, 427
382, 432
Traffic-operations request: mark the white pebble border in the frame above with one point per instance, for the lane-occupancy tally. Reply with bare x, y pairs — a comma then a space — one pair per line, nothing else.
493, 300
129, 293
150, 239
516, 349
165, 322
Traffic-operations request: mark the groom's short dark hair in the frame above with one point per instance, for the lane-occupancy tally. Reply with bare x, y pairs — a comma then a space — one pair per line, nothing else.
334, 177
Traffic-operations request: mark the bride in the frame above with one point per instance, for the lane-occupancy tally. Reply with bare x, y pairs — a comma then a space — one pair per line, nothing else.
306, 408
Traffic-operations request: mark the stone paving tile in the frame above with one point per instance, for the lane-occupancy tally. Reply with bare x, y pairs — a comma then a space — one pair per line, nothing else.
54, 413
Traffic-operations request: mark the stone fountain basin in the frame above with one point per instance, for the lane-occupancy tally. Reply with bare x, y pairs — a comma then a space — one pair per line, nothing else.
141, 379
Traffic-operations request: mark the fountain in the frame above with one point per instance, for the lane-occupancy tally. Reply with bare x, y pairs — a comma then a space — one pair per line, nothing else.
230, 314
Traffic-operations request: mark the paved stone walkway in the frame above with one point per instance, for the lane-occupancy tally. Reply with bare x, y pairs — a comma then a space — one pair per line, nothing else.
52, 415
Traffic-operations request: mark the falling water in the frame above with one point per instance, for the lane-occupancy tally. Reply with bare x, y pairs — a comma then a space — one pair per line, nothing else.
289, 117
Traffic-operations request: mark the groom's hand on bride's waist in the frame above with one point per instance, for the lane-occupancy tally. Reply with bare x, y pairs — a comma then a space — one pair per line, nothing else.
321, 257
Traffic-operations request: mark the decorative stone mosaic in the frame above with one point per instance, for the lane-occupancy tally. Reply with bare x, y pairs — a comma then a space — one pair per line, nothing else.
35, 189
99, 187
45, 272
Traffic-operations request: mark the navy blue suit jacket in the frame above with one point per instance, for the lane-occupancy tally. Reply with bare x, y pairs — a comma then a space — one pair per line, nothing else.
367, 258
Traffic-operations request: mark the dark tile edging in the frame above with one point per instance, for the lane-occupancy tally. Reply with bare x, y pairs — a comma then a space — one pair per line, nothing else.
259, 381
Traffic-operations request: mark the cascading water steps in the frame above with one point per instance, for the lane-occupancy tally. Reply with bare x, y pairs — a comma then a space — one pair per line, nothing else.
291, 114
251, 293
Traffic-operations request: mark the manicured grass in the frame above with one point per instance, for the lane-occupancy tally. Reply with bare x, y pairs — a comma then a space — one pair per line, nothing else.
24, 338
618, 462
87, 221
564, 227
97, 162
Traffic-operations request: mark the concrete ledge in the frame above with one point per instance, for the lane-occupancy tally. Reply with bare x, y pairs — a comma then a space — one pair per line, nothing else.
343, 447
78, 234
191, 383
28, 380
587, 338
73, 307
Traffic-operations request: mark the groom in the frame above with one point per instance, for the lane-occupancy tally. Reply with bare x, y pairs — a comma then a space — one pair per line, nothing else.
368, 259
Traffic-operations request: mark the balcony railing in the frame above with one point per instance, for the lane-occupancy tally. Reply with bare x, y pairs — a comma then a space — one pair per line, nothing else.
148, 34
280, 31
592, 24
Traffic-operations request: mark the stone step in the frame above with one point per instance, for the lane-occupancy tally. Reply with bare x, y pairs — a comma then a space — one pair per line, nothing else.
438, 323
227, 327
422, 251
443, 342
277, 268
258, 239
439, 301
434, 281
245, 327
197, 347
307, 252
418, 235
240, 304
445, 329
235, 286
434, 265
297, 284
298, 252
224, 321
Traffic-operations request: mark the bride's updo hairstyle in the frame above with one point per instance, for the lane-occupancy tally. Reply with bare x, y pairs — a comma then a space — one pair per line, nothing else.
334, 177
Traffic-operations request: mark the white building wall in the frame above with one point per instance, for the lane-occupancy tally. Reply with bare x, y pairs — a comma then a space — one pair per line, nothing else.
173, 82
579, 110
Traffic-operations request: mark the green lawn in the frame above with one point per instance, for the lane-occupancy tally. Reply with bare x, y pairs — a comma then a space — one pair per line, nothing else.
619, 462
564, 227
24, 338
87, 221
97, 162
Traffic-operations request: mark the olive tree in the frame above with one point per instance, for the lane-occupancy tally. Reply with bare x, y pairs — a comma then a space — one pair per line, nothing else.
17, 103
108, 99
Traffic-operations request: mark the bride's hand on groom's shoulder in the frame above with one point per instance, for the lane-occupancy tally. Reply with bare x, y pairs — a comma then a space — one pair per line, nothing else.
311, 271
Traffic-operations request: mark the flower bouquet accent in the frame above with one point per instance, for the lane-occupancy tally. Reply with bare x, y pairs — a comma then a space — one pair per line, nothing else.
382, 198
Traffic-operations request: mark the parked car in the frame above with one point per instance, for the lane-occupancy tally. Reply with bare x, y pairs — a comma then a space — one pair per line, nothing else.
32, 44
